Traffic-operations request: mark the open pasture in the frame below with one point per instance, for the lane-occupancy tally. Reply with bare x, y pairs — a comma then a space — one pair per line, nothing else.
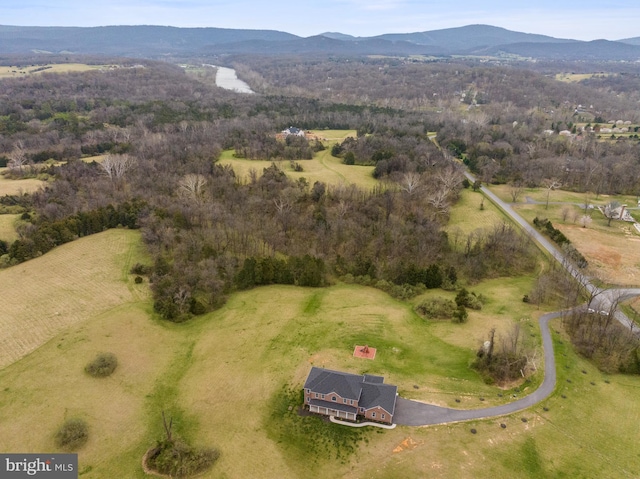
73, 283
19, 187
539, 196
613, 252
578, 77
220, 375
323, 167
7, 228
16, 71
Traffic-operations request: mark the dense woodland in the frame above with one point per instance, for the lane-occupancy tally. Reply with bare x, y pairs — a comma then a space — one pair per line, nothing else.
210, 233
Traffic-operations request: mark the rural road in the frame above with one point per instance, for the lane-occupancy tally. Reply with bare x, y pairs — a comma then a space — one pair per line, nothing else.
414, 413
605, 298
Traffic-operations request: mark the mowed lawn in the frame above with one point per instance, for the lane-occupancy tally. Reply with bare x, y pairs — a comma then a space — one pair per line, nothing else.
471, 212
323, 167
77, 281
269, 338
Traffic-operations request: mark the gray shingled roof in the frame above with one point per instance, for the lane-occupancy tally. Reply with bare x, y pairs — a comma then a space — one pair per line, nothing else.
383, 395
368, 389
325, 381
370, 378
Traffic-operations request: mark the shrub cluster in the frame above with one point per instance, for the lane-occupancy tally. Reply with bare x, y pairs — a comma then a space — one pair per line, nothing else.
436, 308
176, 458
559, 238
102, 366
72, 435
469, 300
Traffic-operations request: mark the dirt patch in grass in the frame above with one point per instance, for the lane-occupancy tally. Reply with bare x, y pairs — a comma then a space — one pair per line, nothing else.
615, 257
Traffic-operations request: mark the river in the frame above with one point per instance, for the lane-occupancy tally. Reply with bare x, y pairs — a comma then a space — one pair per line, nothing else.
226, 78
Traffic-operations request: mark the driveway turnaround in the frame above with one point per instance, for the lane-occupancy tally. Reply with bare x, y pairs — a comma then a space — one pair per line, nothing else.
413, 413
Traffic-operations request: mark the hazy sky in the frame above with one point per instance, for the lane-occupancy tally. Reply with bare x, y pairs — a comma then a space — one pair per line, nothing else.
578, 19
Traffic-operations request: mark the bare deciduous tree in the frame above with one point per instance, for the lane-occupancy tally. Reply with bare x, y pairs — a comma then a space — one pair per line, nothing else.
18, 158
410, 183
551, 185
585, 221
515, 190
450, 177
116, 166
191, 186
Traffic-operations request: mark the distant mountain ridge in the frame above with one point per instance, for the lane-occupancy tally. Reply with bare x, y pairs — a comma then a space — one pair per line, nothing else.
471, 37
144, 40
157, 41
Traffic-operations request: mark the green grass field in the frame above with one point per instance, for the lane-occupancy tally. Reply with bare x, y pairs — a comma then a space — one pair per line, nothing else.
8, 231
25, 70
466, 216
229, 377
323, 167
19, 187
222, 376
78, 281
577, 77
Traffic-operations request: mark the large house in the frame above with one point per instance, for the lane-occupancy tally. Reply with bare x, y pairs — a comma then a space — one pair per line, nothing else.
349, 396
292, 130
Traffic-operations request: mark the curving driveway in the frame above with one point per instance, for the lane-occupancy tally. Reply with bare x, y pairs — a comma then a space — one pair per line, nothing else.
413, 413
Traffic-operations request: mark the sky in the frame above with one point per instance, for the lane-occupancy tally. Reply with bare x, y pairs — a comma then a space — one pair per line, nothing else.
580, 20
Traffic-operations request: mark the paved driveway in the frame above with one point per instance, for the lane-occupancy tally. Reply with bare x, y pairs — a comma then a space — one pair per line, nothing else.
413, 413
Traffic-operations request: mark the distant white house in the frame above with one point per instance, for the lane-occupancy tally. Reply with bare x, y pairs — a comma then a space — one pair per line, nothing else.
292, 130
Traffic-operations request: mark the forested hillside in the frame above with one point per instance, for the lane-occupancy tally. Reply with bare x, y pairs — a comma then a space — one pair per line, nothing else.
156, 134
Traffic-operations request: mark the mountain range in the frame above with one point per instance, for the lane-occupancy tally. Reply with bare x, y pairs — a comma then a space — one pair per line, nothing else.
158, 41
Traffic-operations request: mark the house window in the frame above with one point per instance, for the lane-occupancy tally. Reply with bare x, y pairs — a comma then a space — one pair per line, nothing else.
317, 394
322, 396
334, 399
344, 401
383, 416
373, 414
